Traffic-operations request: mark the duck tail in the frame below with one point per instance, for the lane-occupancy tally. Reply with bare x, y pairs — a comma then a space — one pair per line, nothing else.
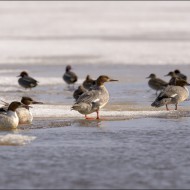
75, 107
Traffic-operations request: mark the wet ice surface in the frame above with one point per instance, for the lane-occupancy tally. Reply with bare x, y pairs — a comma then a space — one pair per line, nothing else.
134, 145
141, 153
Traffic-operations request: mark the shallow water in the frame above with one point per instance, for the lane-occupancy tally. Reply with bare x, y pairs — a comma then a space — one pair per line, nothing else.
133, 145
141, 153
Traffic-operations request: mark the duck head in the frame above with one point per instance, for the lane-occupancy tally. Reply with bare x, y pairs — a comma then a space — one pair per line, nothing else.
68, 68
103, 78
151, 76
14, 105
23, 74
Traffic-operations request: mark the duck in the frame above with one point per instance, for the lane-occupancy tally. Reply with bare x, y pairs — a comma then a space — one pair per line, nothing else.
24, 114
156, 83
180, 75
172, 94
173, 78
10, 120
69, 77
26, 81
95, 99
78, 92
88, 82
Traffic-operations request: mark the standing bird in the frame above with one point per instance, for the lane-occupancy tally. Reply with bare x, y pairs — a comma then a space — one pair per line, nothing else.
24, 114
156, 83
78, 92
69, 77
88, 82
180, 75
91, 101
172, 95
10, 120
26, 81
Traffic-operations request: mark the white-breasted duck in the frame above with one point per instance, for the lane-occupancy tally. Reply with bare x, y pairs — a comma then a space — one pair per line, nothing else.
10, 120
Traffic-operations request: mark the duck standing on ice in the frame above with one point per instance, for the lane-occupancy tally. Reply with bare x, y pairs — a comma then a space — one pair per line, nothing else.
69, 77
26, 81
156, 83
173, 94
93, 100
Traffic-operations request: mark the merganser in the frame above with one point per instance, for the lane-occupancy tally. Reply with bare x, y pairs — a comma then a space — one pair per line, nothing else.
10, 120
93, 100
24, 114
172, 95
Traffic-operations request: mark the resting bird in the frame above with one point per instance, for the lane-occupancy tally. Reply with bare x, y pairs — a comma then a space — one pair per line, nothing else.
10, 120
173, 79
24, 114
93, 100
180, 75
79, 91
26, 81
156, 83
69, 77
88, 82
172, 95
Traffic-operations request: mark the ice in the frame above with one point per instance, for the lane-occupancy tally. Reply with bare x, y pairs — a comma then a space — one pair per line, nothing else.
15, 139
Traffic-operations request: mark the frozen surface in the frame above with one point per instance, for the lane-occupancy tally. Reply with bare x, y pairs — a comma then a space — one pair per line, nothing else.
134, 145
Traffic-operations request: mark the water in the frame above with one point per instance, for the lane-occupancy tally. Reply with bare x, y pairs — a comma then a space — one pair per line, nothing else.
133, 145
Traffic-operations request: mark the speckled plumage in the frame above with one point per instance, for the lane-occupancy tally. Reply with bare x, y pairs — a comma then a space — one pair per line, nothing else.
95, 99
172, 95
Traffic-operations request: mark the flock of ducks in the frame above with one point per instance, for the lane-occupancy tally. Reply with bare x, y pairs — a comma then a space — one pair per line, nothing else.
172, 92
91, 96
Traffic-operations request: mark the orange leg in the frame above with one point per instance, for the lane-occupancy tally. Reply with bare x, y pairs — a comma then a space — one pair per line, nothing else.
98, 117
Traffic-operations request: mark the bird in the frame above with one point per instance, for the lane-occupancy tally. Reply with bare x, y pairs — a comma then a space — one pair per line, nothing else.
79, 91
26, 81
173, 79
156, 83
180, 75
69, 77
95, 99
88, 82
10, 120
24, 114
172, 95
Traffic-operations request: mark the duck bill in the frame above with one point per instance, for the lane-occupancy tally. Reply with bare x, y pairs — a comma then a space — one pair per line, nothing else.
34, 102
147, 77
112, 80
166, 75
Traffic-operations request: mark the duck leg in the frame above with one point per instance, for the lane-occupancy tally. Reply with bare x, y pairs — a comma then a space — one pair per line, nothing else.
98, 117
167, 107
176, 107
